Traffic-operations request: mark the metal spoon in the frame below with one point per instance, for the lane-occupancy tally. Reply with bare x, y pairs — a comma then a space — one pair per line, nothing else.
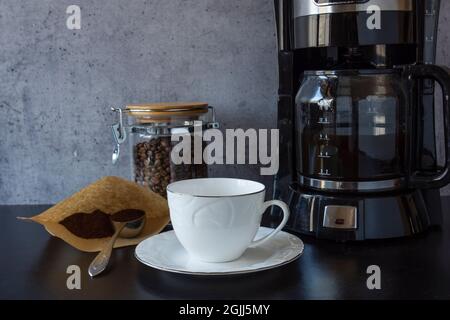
127, 229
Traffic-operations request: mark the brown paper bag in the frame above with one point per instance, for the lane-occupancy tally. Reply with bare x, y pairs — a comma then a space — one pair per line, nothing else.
110, 195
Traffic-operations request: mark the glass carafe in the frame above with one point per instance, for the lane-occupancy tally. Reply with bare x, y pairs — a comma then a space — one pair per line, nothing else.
355, 129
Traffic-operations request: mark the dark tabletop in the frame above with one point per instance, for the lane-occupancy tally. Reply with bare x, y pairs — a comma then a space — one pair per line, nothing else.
33, 266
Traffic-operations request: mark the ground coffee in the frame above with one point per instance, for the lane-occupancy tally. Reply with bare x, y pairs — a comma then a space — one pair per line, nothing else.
96, 225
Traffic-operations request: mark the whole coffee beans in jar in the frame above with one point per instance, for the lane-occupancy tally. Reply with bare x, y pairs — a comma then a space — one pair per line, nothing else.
151, 129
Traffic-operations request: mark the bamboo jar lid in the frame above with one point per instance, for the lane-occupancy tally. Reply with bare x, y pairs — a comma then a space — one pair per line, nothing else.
167, 111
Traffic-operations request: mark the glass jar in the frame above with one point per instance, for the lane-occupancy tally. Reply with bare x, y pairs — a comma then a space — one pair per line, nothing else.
151, 128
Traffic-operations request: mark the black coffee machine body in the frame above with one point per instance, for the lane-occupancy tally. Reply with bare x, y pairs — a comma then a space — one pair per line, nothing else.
356, 114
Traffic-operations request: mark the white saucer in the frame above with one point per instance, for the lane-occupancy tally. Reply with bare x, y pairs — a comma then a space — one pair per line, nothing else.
164, 252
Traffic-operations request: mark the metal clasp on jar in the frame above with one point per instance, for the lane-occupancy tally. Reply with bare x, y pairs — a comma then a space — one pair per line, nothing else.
119, 134
213, 124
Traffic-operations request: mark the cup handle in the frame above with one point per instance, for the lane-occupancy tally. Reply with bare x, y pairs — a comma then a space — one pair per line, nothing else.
286, 213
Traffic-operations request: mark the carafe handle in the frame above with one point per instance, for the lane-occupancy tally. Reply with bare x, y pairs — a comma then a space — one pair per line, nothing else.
442, 76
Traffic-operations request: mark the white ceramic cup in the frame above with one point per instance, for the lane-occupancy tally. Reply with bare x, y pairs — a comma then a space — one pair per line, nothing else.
216, 220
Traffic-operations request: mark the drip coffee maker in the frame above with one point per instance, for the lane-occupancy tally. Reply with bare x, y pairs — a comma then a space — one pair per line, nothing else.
357, 117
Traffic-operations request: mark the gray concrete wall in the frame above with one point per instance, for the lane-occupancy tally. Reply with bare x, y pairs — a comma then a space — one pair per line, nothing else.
56, 85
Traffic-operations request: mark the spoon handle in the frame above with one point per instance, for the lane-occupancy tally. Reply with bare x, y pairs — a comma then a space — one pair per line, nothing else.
101, 261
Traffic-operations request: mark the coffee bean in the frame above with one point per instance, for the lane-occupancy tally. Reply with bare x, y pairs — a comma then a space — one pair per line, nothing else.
154, 169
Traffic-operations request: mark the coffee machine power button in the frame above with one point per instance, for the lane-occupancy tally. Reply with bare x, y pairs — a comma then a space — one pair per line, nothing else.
340, 217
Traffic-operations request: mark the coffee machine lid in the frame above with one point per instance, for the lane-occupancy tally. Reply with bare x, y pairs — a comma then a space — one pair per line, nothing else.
352, 23
304, 8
